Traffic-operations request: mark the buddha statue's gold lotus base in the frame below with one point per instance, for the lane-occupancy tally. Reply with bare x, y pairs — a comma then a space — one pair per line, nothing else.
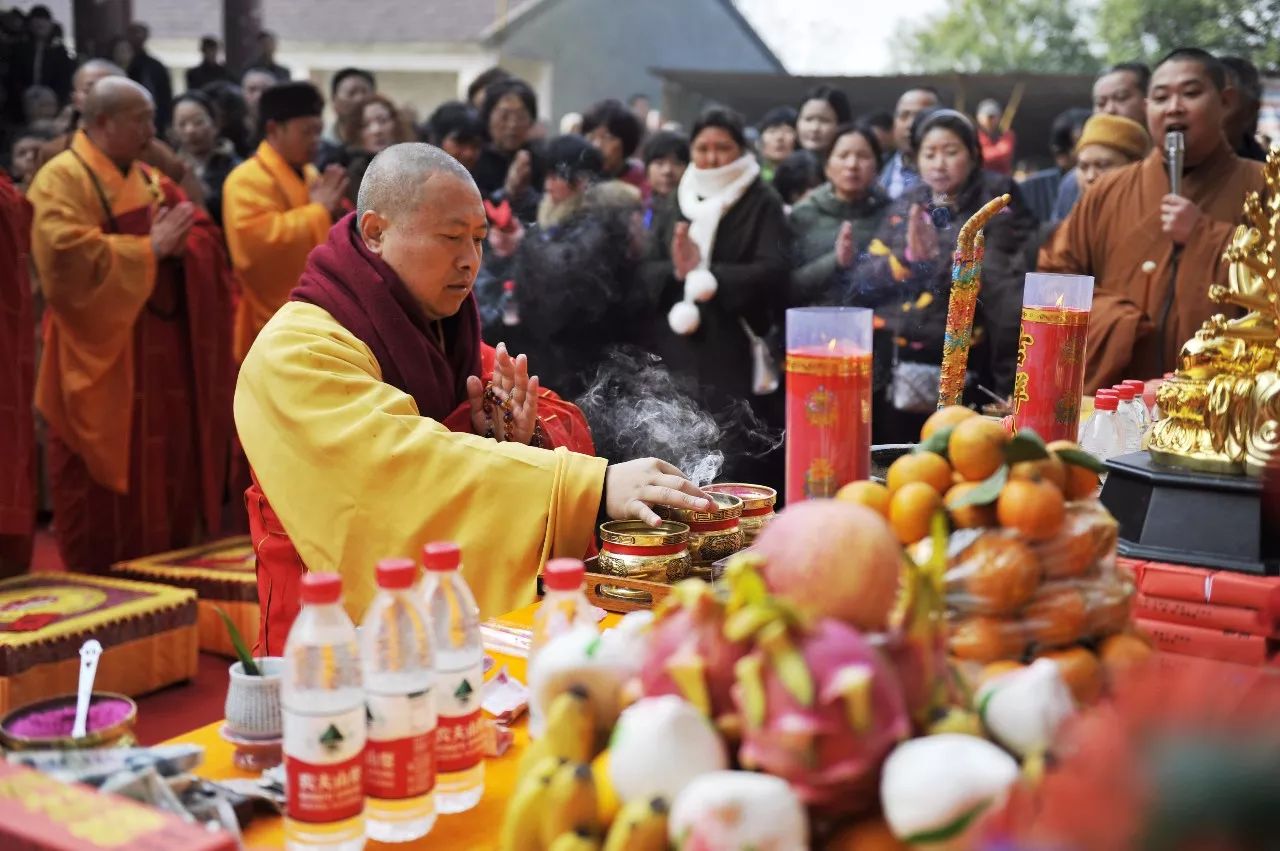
1222, 406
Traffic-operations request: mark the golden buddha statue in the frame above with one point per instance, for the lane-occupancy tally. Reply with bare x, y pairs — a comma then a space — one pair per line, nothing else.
1222, 406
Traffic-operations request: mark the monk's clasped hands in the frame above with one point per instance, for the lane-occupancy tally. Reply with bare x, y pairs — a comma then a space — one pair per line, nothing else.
507, 407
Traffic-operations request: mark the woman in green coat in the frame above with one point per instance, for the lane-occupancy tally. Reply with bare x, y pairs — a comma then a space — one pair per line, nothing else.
834, 225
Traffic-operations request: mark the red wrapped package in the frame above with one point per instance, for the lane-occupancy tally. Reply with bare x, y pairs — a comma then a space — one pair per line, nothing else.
1200, 585
1217, 644
1206, 615
41, 814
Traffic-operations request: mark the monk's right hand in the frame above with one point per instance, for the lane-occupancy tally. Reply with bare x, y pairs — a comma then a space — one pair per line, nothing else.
633, 487
330, 189
169, 229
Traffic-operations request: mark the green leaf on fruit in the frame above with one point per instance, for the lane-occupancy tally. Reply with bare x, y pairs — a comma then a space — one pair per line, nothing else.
948, 831
987, 491
937, 442
1080, 458
1026, 445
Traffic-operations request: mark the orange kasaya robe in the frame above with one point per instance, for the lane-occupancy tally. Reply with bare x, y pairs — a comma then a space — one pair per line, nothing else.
271, 225
1140, 319
137, 375
17, 378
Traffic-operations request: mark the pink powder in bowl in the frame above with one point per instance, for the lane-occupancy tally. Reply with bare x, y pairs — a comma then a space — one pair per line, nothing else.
51, 722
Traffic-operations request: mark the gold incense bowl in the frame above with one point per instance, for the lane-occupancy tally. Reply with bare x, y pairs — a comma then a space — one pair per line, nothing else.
757, 506
633, 549
713, 535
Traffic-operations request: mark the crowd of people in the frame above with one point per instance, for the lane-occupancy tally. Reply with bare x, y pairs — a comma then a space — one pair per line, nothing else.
166, 232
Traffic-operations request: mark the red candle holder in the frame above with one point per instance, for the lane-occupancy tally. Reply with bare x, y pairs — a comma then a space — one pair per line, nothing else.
1051, 348
828, 399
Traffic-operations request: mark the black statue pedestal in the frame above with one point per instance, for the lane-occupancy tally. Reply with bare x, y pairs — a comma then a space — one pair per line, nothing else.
1184, 517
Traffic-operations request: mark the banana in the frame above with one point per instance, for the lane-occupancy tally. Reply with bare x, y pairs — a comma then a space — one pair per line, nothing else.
577, 840
570, 803
640, 826
520, 822
569, 733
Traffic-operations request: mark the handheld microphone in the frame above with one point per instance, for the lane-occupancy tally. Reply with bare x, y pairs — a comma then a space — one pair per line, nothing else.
1174, 151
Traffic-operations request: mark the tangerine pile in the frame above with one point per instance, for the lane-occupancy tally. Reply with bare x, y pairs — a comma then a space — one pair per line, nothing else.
1030, 570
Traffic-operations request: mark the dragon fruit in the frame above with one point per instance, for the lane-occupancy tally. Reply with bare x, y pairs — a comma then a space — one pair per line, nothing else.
687, 653
820, 707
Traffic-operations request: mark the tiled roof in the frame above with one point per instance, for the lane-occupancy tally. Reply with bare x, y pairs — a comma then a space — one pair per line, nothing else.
335, 21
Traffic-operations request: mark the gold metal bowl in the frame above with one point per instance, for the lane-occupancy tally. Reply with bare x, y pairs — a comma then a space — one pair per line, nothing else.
713, 535
757, 506
119, 733
635, 550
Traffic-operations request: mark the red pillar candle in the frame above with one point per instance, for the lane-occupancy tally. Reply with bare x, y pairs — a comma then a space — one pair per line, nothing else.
1051, 348
828, 400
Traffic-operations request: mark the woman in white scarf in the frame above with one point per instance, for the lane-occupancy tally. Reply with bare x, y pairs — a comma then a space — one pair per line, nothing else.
718, 276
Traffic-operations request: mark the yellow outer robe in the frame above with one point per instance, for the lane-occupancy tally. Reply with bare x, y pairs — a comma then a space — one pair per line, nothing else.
355, 474
96, 284
271, 226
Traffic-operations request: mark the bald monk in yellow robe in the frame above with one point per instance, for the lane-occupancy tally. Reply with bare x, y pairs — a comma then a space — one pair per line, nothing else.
276, 207
343, 400
1153, 254
136, 378
157, 154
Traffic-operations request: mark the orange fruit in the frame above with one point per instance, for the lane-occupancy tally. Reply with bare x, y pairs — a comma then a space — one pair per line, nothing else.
1049, 469
1123, 652
1056, 617
1000, 574
976, 448
984, 639
927, 467
1035, 509
971, 516
911, 511
944, 417
871, 494
1080, 483
1110, 611
871, 834
997, 669
1081, 671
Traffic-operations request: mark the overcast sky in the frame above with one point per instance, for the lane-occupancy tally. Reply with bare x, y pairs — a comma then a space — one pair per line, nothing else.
833, 36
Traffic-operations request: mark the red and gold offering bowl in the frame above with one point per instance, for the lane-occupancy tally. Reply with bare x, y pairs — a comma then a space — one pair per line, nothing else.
757, 506
713, 535
47, 723
635, 550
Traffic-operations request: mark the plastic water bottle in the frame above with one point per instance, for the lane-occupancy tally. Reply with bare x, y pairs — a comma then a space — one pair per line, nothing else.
324, 723
399, 764
1140, 396
1130, 420
455, 625
563, 608
510, 310
1101, 436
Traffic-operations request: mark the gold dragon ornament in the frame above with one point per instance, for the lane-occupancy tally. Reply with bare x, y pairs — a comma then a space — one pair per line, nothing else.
1222, 406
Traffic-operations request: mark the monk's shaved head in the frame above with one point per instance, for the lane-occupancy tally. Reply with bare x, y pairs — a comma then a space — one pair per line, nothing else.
92, 71
397, 179
112, 95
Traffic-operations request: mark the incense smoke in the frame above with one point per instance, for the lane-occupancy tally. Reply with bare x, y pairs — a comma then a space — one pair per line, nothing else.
638, 410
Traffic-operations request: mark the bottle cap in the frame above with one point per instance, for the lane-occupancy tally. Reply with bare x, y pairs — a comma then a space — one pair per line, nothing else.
509, 286
563, 574
1106, 391
320, 589
1139, 386
1124, 391
1106, 402
397, 574
442, 556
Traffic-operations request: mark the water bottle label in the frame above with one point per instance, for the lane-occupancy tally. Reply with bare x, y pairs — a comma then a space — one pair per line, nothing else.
460, 734
324, 761
399, 761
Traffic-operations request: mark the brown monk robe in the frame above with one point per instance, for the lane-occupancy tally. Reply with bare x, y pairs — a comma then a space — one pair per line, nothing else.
136, 378
1135, 238
17, 353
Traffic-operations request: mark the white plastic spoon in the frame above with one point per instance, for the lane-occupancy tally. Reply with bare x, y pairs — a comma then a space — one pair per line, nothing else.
89, 653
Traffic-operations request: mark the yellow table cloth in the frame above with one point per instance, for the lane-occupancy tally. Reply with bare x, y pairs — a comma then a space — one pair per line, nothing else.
224, 576
473, 830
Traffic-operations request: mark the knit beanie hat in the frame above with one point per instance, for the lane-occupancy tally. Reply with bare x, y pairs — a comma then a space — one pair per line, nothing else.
1117, 132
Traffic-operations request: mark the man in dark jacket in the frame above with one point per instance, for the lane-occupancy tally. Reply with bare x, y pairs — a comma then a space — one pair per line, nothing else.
151, 73
209, 70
